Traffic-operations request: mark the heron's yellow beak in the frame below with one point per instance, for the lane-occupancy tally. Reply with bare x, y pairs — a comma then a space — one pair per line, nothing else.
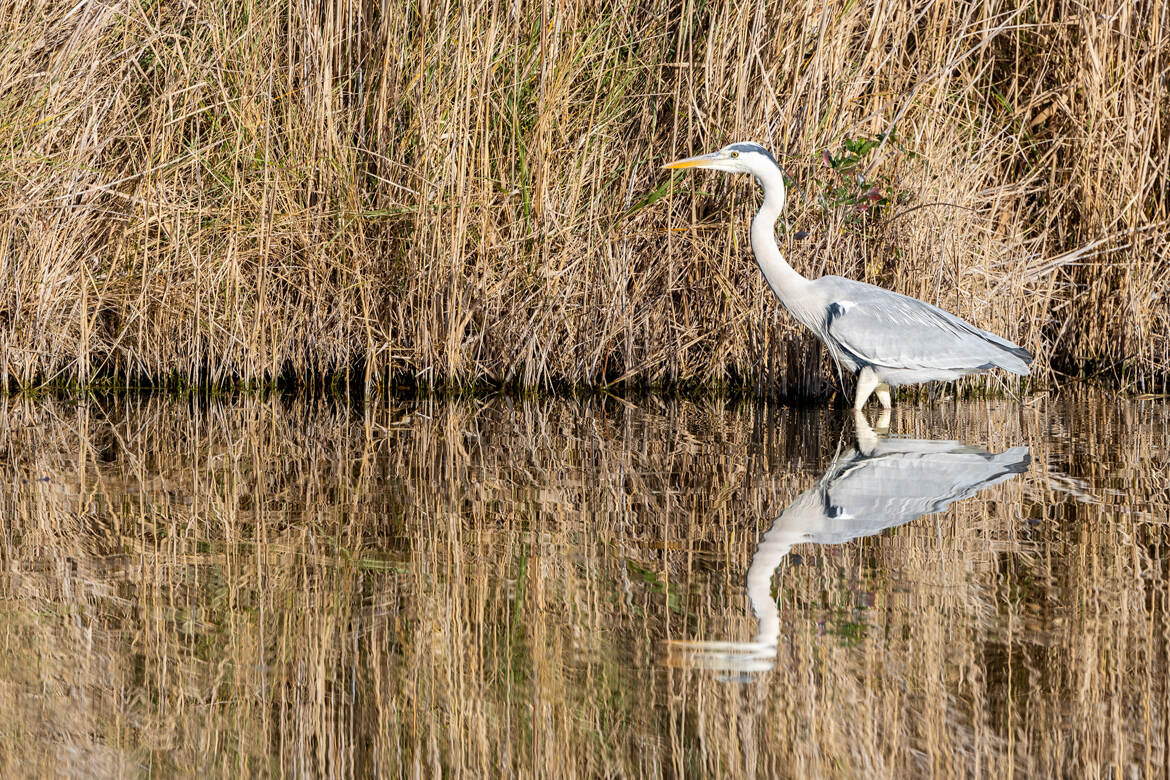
691, 162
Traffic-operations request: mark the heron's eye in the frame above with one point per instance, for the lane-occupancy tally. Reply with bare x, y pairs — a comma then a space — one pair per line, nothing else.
735, 154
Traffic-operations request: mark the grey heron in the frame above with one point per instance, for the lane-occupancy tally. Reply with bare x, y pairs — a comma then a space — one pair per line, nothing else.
886, 339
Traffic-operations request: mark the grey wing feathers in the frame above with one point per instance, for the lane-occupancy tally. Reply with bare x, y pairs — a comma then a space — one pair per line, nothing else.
885, 328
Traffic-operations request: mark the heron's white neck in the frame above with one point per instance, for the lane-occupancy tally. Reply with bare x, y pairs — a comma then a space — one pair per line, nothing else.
782, 278
773, 549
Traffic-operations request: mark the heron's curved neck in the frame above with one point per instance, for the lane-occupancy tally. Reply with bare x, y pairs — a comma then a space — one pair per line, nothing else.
773, 549
782, 278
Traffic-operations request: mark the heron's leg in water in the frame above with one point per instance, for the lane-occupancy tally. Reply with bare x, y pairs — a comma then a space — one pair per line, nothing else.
882, 392
867, 382
867, 437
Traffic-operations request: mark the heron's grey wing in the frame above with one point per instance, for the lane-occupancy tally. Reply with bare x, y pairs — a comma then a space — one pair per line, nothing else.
885, 328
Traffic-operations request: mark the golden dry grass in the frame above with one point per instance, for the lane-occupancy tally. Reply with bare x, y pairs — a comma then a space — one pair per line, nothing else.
220, 192
484, 589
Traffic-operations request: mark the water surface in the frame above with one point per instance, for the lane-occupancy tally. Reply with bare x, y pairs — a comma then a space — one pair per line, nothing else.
587, 588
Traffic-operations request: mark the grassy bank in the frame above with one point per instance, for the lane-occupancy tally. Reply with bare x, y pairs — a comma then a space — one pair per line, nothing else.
471, 192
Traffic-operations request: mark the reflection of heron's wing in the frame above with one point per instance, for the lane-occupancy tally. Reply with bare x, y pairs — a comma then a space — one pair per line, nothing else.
904, 479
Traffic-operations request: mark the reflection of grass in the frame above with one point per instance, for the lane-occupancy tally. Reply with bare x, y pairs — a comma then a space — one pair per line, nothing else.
674, 599
850, 632
483, 587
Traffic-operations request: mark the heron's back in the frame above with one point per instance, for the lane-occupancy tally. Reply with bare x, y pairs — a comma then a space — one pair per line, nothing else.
904, 339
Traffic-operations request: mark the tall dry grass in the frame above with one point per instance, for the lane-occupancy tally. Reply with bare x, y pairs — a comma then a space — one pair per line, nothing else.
262, 588
215, 192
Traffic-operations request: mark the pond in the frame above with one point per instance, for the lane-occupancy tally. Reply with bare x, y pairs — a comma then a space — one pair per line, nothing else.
584, 587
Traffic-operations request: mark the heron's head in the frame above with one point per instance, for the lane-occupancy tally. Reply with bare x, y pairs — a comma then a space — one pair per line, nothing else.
733, 158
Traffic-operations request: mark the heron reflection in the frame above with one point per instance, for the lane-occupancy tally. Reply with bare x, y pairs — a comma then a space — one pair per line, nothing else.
881, 482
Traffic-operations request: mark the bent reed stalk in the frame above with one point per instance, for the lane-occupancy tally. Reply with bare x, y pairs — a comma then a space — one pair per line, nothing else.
229, 192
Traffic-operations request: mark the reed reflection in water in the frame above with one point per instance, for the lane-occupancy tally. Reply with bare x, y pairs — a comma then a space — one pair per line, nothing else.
485, 587
879, 483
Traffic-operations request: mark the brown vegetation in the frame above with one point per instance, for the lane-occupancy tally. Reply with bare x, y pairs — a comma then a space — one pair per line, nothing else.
220, 192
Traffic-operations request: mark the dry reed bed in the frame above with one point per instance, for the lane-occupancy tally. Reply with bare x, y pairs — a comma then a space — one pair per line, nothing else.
220, 192
298, 588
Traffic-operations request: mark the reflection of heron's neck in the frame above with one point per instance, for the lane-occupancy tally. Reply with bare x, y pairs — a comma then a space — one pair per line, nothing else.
774, 547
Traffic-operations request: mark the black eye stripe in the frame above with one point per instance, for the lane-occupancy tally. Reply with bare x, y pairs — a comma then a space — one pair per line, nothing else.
749, 147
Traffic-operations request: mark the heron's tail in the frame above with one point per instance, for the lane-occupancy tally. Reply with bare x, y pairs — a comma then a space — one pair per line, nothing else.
1015, 359
1008, 356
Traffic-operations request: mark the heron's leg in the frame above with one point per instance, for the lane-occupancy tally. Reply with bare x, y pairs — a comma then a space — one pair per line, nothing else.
867, 382
866, 438
882, 392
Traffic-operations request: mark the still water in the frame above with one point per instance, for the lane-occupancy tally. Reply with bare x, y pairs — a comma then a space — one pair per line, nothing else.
584, 588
